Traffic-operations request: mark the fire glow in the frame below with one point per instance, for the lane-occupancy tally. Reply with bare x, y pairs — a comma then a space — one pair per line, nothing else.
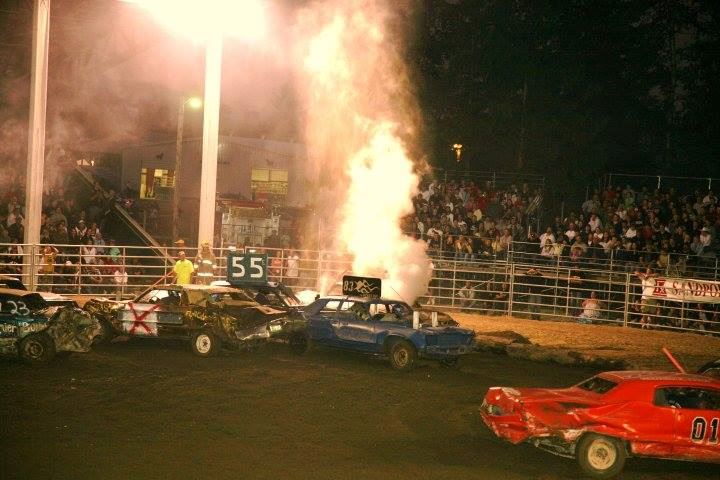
199, 20
360, 114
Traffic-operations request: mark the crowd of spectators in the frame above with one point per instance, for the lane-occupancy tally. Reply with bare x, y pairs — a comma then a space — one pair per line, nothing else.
73, 230
466, 220
663, 230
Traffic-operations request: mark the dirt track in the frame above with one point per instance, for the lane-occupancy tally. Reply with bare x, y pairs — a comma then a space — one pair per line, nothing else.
149, 409
637, 348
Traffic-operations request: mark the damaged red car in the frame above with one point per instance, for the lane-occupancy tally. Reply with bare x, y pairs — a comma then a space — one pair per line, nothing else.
612, 416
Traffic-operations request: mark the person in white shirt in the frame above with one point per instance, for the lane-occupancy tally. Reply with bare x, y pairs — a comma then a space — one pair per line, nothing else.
594, 222
548, 235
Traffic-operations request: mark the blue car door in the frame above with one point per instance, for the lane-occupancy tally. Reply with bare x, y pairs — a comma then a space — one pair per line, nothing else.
321, 324
354, 328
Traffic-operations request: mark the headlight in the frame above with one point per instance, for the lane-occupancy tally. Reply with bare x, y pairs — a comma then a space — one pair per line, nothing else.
492, 409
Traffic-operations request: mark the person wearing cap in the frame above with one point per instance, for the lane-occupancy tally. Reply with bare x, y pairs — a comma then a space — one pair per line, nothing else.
183, 269
204, 264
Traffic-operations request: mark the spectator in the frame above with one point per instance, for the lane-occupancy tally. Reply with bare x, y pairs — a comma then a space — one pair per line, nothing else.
590, 309
183, 269
47, 267
88, 252
292, 267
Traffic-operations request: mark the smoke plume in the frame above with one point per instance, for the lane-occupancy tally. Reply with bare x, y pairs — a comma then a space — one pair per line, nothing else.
360, 120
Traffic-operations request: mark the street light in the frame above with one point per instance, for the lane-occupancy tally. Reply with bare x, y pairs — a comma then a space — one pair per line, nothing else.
457, 148
194, 103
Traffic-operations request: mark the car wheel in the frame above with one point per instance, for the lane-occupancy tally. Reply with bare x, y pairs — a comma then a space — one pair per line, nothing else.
204, 344
37, 348
402, 355
299, 343
600, 456
450, 362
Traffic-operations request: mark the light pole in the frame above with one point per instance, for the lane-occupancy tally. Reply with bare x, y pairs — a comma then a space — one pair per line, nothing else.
36, 133
208, 21
211, 125
192, 102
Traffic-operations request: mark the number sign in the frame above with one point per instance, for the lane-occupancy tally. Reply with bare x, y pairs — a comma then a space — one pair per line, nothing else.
247, 268
361, 286
699, 429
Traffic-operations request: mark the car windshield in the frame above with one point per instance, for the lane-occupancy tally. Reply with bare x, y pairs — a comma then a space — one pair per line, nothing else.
597, 384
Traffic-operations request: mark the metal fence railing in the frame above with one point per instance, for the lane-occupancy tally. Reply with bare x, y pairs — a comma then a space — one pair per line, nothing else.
527, 286
617, 260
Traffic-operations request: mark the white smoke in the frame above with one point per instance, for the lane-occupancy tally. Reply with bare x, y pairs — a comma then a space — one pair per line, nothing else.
360, 116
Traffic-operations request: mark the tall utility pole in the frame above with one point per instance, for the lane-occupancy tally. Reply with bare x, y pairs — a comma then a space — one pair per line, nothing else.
176, 174
36, 132
211, 125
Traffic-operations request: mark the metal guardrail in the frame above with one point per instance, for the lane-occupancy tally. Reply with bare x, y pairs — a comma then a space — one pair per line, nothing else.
618, 260
484, 286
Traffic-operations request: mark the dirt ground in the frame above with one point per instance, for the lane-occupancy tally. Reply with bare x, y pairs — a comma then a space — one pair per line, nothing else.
150, 409
637, 348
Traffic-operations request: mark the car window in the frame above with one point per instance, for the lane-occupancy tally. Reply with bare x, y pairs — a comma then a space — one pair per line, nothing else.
360, 309
153, 296
378, 308
331, 306
597, 384
687, 397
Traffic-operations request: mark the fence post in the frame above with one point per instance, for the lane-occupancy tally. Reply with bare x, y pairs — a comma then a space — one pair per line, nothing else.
567, 296
511, 281
32, 281
626, 312
454, 286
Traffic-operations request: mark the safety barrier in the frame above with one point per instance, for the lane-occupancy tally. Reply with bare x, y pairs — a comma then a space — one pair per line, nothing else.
528, 288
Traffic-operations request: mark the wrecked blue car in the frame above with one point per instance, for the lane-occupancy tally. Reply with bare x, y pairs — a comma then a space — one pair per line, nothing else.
36, 331
386, 327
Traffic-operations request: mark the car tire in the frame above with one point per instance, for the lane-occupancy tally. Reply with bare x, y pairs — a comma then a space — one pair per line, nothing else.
299, 343
450, 362
204, 344
402, 355
601, 457
36, 348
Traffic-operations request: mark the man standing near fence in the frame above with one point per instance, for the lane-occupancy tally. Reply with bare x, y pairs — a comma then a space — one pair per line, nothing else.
183, 269
47, 267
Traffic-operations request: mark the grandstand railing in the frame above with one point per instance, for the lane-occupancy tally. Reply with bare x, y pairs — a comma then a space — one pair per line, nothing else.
618, 260
496, 179
657, 182
484, 286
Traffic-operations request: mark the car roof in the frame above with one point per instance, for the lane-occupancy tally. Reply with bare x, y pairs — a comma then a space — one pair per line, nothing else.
208, 288
356, 298
13, 291
658, 376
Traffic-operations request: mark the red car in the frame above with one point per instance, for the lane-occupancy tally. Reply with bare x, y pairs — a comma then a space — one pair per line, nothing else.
612, 416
